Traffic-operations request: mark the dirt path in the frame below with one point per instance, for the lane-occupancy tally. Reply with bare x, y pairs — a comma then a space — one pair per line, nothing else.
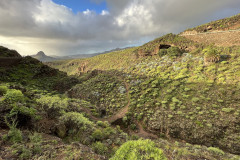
141, 132
213, 32
115, 117
219, 38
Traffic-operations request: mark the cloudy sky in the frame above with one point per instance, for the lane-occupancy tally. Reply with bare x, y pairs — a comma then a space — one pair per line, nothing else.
67, 27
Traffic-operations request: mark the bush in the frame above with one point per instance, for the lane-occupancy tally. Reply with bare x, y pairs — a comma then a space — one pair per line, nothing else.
36, 141
171, 52
103, 134
20, 109
100, 148
216, 151
53, 105
98, 134
14, 135
211, 55
14, 95
162, 52
140, 149
28, 150
74, 119
174, 52
3, 90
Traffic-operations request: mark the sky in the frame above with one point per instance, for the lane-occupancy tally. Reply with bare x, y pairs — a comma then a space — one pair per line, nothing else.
69, 27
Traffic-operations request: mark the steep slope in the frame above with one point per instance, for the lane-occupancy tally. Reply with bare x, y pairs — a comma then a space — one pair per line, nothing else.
224, 32
229, 23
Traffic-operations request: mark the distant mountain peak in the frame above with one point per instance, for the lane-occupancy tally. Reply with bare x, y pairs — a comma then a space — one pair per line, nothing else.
41, 56
41, 53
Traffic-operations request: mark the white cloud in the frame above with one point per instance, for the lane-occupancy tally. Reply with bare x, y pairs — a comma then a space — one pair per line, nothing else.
36, 25
104, 12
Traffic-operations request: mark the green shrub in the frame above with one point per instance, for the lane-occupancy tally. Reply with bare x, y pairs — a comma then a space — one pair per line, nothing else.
228, 110
53, 105
216, 151
36, 141
3, 90
102, 124
140, 149
162, 52
25, 152
74, 119
171, 52
100, 148
174, 52
14, 95
98, 134
20, 109
195, 99
14, 135
211, 55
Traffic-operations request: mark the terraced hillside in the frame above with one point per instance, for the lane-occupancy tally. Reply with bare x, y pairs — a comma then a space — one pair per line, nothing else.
229, 23
224, 32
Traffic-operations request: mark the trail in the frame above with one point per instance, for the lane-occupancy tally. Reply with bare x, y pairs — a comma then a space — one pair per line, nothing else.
143, 133
115, 117
213, 32
120, 114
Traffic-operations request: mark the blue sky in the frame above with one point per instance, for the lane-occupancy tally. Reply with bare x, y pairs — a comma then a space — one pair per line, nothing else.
82, 5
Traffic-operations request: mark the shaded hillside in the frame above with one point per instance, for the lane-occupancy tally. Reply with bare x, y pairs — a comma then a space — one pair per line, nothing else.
31, 72
5, 52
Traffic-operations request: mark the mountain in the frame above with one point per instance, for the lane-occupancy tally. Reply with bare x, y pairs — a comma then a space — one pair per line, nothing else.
172, 98
41, 56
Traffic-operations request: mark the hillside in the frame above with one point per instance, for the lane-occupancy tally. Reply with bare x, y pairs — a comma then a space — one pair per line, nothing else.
171, 98
229, 23
224, 32
5, 52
